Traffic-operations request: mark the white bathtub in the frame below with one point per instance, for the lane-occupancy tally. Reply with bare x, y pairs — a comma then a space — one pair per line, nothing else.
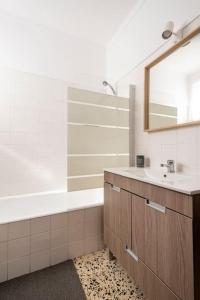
40, 230
22, 207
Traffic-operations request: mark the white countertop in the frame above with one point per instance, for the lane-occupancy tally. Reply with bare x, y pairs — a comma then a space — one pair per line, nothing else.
179, 182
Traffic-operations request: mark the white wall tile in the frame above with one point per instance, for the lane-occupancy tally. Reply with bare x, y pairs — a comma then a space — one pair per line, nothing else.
5, 117
187, 135
5, 138
31, 106
169, 152
187, 158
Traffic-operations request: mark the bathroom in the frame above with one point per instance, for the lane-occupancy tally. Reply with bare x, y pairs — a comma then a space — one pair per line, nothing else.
99, 185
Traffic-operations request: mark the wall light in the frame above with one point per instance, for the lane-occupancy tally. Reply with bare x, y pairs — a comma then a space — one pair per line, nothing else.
168, 31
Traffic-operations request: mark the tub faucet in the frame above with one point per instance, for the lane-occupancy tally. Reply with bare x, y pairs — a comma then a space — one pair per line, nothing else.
169, 165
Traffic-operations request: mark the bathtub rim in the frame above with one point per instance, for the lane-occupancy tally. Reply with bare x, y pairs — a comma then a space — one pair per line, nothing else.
30, 216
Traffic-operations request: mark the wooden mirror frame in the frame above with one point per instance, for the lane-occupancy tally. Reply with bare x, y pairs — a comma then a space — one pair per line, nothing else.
147, 85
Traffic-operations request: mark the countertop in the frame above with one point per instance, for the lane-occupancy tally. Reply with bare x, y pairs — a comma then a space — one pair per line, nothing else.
179, 182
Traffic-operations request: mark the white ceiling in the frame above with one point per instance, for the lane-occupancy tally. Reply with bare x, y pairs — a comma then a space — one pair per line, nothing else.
96, 20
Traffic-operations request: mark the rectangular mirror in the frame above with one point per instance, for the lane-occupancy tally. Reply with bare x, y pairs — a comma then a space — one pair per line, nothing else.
172, 86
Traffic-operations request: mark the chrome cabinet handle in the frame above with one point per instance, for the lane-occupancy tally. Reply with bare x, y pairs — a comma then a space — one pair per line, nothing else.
156, 206
132, 254
115, 188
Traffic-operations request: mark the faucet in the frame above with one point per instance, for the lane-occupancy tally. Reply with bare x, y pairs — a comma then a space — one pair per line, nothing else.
169, 165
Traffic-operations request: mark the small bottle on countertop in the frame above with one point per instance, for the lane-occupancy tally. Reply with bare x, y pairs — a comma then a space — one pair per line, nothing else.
140, 161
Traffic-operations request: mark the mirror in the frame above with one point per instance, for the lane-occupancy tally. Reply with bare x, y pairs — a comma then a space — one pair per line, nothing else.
172, 86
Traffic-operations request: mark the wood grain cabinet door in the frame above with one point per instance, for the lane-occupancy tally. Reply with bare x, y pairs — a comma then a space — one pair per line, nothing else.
125, 218
175, 253
108, 204
162, 239
138, 226
112, 207
168, 248
117, 217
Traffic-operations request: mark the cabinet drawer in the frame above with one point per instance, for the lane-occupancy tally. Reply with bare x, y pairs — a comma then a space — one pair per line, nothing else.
152, 286
176, 201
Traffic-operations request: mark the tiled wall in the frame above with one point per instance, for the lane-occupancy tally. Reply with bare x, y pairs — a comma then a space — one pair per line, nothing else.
32, 133
30, 245
181, 145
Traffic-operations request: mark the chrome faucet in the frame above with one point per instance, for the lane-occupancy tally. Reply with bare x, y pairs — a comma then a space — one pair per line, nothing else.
169, 165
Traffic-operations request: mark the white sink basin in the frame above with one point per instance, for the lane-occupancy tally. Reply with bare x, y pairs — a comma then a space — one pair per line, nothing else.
160, 175
156, 175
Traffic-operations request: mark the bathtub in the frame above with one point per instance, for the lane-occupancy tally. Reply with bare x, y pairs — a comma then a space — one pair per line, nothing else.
40, 230
22, 207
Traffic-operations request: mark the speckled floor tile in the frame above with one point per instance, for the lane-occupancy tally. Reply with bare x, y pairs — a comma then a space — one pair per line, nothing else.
104, 279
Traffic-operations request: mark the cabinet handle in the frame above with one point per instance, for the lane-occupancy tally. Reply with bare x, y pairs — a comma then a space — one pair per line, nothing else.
132, 254
115, 188
156, 206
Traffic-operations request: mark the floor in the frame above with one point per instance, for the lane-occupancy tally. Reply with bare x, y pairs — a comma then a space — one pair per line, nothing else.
59, 282
92, 276
104, 279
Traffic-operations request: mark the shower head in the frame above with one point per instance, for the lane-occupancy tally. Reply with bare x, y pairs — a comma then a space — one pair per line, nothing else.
105, 83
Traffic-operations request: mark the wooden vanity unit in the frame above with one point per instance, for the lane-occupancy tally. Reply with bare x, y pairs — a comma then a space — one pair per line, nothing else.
154, 233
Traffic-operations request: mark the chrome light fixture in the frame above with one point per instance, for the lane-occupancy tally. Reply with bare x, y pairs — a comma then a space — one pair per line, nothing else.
168, 31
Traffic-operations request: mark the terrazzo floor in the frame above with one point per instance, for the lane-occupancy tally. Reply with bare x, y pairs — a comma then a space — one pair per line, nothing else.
104, 279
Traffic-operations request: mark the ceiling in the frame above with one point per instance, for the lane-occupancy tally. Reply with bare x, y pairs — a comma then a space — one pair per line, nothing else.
95, 20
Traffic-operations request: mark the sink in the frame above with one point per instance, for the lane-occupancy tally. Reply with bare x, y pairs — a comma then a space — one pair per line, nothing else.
156, 175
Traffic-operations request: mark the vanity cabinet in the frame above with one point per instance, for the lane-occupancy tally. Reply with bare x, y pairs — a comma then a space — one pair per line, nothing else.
117, 218
154, 239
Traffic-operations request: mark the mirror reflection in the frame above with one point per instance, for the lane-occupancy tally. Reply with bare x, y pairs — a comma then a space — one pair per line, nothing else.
174, 90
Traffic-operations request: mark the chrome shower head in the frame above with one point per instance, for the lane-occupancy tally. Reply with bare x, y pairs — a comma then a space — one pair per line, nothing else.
105, 83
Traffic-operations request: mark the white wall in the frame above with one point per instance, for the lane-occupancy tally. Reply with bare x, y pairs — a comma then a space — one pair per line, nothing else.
141, 35
135, 46
36, 66
44, 51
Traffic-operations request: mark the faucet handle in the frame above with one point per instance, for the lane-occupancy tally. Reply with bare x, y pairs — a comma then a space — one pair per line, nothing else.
171, 165
170, 162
